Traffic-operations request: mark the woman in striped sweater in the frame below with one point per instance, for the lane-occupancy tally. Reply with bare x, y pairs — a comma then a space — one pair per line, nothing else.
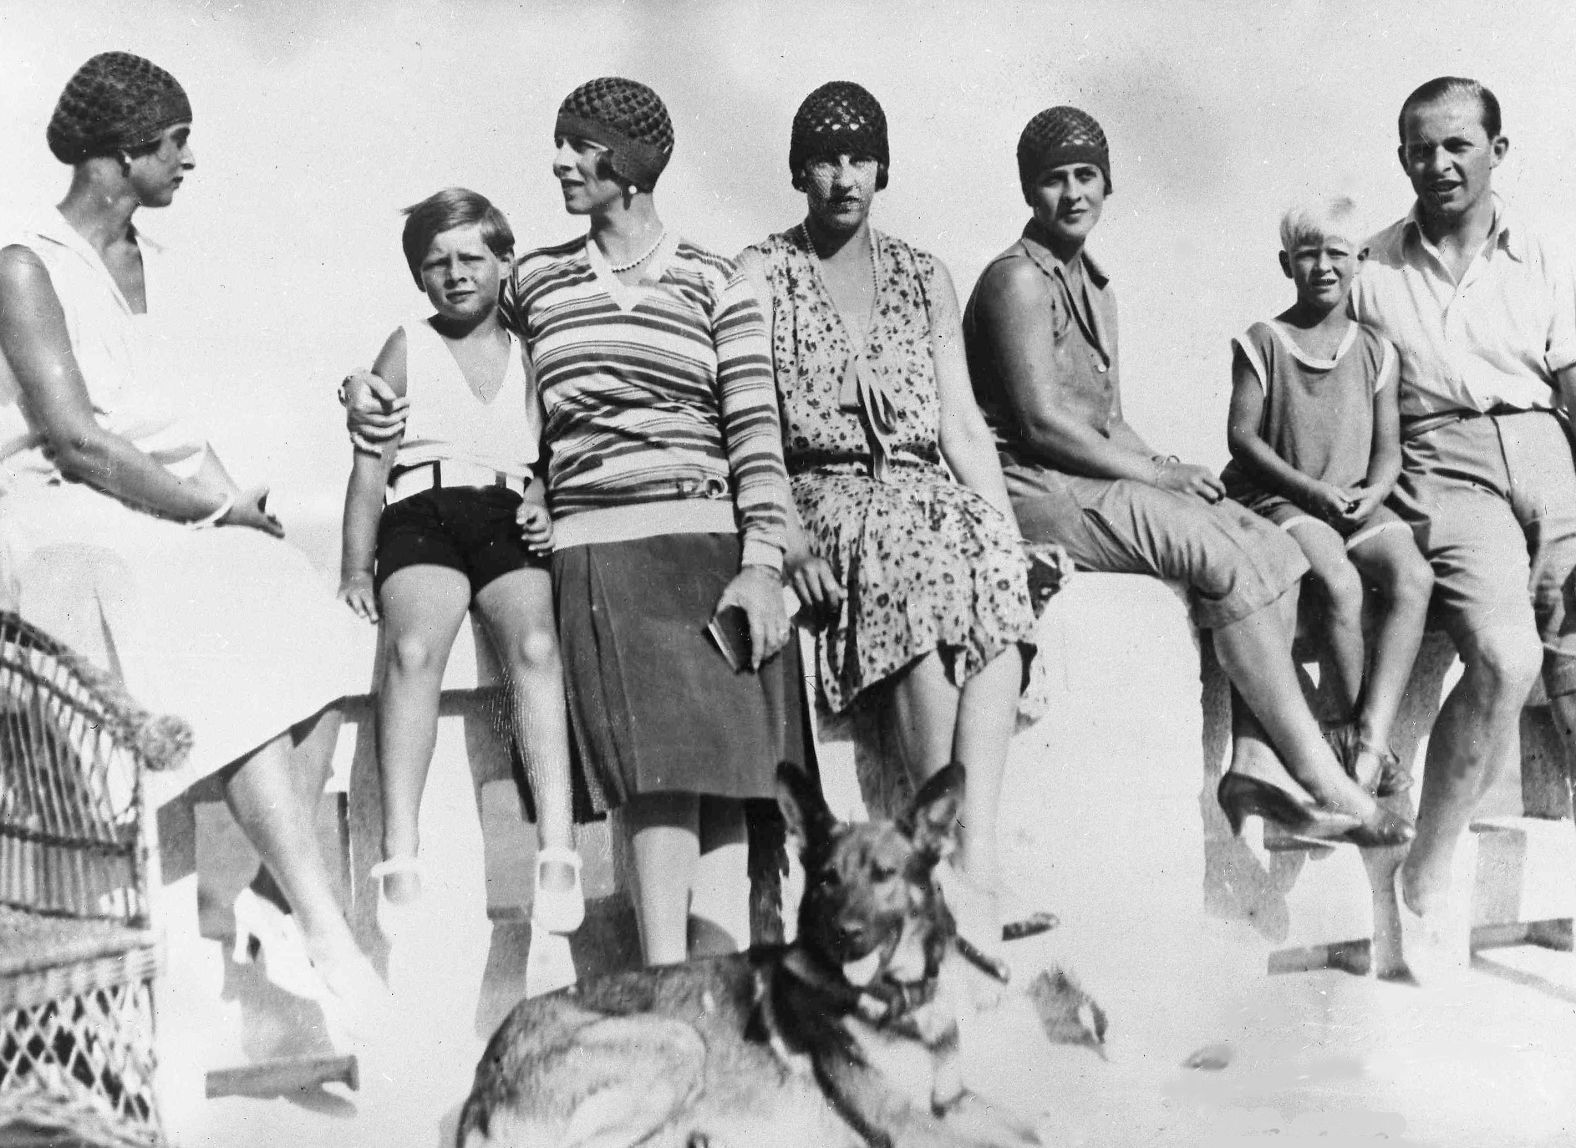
669, 499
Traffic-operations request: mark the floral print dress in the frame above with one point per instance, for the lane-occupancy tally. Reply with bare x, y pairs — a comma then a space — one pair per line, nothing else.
925, 563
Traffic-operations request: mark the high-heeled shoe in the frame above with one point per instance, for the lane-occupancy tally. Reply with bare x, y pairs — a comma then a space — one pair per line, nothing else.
263, 929
1241, 797
1385, 829
350, 992
398, 919
357, 1004
558, 910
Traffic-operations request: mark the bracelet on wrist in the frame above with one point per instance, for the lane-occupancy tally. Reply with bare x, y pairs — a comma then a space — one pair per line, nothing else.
215, 516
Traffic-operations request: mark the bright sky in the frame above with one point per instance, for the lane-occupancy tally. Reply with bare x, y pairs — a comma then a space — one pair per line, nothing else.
315, 123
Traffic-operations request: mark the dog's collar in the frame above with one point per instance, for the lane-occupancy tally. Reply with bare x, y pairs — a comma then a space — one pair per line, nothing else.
880, 1002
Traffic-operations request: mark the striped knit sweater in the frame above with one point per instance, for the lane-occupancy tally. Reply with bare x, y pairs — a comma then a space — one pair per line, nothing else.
658, 392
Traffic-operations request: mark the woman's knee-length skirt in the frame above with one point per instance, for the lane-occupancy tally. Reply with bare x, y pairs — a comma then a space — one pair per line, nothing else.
654, 705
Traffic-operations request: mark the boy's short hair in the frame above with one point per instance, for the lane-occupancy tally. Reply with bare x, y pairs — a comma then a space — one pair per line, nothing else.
1320, 218
444, 211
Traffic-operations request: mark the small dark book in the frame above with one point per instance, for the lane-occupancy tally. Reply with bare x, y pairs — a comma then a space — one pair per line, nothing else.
730, 630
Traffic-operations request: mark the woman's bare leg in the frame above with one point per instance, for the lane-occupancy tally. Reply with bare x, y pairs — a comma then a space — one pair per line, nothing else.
664, 832
720, 901
276, 809
1255, 653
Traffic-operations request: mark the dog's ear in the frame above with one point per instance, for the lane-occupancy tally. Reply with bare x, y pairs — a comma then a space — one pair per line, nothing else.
805, 811
931, 822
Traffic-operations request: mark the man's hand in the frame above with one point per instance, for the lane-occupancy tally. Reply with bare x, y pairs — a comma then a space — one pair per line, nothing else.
536, 527
357, 593
374, 414
1185, 478
251, 509
758, 591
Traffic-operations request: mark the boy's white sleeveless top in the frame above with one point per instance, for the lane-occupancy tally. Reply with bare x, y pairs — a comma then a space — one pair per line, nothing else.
449, 420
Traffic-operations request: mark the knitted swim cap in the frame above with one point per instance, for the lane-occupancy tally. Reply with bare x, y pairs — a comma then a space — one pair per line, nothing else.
836, 119
115, 100
1061, 135
628, 119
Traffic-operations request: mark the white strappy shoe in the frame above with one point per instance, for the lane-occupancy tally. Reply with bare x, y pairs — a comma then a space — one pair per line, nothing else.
559, 911
398, 920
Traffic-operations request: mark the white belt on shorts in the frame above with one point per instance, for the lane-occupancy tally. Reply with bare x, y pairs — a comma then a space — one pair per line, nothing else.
440, 473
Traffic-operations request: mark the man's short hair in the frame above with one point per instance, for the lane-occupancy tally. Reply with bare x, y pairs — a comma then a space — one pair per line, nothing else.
1448, 87
1320, 217
444, 211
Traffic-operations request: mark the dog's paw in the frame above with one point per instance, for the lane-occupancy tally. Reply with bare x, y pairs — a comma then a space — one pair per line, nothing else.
989, 1125
1068, 1015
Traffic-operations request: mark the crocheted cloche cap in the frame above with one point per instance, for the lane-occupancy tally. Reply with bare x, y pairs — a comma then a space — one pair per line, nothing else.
115, 101
836, 119
1061, 135
628, 119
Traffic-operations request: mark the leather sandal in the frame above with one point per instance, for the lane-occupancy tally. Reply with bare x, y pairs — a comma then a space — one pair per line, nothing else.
1391, 778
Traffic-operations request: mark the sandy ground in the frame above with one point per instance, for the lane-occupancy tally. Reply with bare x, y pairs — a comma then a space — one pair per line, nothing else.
1101, 822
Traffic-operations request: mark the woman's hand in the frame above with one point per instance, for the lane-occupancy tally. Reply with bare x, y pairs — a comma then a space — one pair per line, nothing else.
536, 527
758, 591
251, 509
357, 593
374, 414
816, 586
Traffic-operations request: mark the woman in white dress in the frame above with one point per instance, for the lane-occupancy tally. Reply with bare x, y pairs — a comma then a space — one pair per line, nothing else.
201, 608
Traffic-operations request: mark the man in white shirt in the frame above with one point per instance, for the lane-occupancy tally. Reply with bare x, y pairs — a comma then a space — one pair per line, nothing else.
1483, 312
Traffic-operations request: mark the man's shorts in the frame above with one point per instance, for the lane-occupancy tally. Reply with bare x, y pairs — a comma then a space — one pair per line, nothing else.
1492, 504
1233, 562
471, 529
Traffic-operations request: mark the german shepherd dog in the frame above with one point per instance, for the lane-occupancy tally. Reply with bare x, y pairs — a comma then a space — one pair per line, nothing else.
846, 1038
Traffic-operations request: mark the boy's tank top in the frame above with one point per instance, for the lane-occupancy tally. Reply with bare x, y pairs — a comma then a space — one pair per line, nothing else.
449, 421
1318, 413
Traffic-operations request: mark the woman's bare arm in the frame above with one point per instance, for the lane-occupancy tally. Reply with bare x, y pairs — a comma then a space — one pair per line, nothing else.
35, 342
966, 441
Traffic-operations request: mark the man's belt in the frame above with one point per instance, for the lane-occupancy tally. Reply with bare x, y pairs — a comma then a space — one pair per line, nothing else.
1414, 425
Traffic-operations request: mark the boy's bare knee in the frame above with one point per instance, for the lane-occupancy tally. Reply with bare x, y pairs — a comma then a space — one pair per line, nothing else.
1411, 581
1341, 588
534, 651
415, 654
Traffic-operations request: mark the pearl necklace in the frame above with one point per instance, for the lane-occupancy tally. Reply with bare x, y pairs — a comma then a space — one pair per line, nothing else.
875, 276
647, 254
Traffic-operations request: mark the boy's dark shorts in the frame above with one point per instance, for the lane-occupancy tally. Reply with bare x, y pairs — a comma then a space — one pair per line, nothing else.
471, 529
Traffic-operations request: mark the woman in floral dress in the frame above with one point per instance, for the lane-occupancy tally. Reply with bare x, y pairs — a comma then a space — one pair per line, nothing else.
921, 580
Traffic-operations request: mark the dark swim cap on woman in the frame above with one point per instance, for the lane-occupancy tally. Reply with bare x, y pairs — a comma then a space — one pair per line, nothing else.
839, 118
1058, 136
627, 118
115, 101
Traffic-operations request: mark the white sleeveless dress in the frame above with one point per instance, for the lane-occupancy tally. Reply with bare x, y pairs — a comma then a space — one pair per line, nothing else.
226, 627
